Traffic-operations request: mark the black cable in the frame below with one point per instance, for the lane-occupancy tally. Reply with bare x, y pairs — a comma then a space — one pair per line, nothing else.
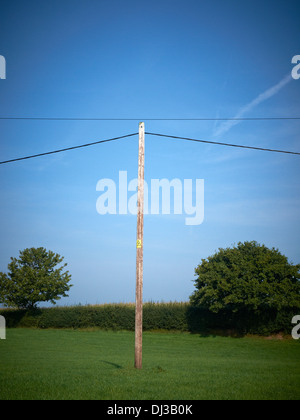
151, 134
68, 148
223, 144
149, 119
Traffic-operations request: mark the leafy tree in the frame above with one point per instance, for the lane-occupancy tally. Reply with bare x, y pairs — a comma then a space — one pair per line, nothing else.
247, 277
33, 278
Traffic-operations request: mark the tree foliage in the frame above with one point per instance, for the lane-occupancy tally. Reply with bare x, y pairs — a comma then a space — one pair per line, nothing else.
248, 276
33, 278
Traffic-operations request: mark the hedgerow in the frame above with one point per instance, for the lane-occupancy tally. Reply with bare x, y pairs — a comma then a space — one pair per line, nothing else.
172, 316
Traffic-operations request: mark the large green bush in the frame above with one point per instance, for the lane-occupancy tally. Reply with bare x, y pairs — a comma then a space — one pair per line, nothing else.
248, 278
34, 277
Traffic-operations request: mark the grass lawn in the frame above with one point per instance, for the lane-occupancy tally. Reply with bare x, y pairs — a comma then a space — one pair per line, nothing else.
67, 364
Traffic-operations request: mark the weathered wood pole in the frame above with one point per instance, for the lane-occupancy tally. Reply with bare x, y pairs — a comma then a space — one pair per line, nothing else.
139, 251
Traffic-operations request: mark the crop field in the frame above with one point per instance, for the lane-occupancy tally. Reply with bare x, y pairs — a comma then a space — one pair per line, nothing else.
98, 365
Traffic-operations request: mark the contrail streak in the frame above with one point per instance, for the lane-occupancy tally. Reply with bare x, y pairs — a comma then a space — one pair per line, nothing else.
247, 108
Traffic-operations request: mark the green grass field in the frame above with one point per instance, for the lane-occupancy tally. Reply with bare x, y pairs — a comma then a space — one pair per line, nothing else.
68, 364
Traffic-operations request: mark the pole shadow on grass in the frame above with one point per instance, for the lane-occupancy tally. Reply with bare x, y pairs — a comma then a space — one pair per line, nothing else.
112, 364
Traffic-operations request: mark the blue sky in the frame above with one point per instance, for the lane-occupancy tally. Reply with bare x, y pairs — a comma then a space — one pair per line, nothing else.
145, 60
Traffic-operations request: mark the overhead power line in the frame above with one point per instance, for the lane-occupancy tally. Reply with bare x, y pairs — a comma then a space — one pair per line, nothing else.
222, 144
151, 134
148, 119
68, 148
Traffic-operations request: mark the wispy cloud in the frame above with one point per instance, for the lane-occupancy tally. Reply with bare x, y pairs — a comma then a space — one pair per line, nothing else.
226, 126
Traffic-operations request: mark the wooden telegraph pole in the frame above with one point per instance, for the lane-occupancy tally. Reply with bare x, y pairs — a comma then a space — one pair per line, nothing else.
139, 251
